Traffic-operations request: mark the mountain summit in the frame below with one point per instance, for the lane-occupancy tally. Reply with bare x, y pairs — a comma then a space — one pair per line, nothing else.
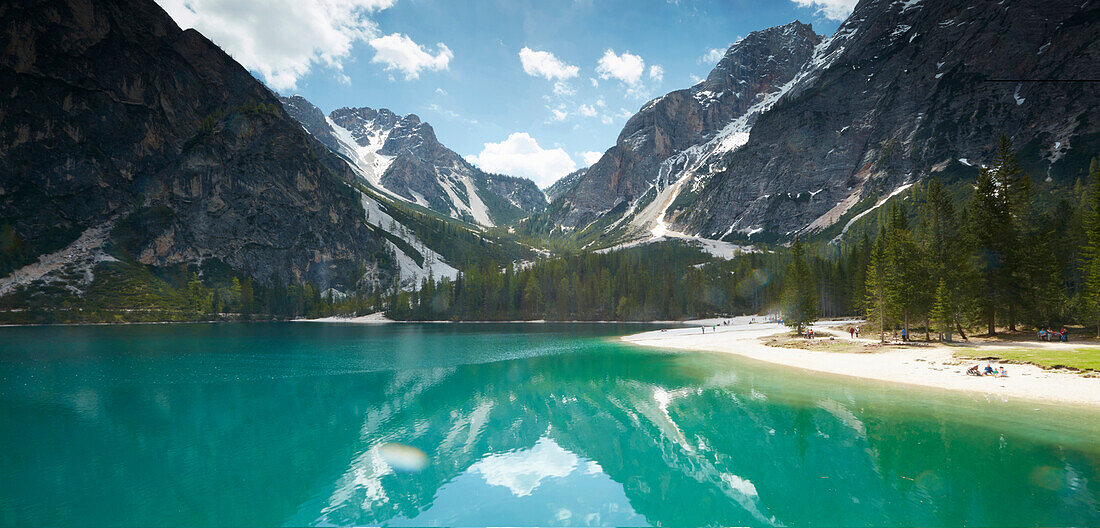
401, 156
792, 133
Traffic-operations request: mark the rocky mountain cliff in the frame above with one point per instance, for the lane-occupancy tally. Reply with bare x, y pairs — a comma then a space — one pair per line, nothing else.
401, 156
117, 128
905, 89
680, 134
565, 184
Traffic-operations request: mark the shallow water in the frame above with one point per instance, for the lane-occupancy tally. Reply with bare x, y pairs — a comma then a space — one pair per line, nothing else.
286, 423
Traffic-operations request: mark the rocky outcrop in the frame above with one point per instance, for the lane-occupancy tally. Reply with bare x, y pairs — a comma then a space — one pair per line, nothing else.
904, 90
401, 156
824, 129
565, 184
676, 134
108, 111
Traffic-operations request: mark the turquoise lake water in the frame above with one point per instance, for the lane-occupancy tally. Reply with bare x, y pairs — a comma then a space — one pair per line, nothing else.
302, 424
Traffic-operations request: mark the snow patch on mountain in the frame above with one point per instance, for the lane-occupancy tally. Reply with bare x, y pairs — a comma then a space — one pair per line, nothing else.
410, 273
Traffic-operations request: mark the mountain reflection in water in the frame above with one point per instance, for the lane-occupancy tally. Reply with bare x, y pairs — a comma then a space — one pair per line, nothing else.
521, 424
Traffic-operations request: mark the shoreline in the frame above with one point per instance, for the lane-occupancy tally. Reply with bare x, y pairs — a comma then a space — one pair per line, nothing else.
930, 367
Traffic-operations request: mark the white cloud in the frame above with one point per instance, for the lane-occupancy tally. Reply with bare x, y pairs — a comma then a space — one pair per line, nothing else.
600, 103
558, 114
595, 83
586, 110
831, 9
656, 73
545, 64
521, 155
281, 40
441, 91
712, 56
627, 67
606, 119
591, 157
523, 471
564, 89
399, 52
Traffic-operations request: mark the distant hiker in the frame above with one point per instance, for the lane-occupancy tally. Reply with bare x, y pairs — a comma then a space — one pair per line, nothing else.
852, 331
1064, 336
810, 332
904, 334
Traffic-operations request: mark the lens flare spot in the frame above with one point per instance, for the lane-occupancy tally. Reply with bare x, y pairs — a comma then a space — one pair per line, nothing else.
403, 458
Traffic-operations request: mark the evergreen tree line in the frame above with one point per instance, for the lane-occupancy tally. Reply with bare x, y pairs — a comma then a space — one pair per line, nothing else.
998, 262
640, 284
988, 257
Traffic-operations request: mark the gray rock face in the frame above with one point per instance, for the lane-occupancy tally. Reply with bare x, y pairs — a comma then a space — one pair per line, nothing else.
655, 147
791, 133
402, 156
565, 184
110, 110
905, 89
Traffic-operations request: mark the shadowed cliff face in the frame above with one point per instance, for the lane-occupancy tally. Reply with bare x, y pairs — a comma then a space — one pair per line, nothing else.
903, 91
108, 108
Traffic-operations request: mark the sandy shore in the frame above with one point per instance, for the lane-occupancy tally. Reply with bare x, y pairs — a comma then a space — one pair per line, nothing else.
925, 366
374, 318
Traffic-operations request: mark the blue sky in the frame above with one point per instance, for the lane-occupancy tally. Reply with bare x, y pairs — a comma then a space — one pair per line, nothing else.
463, 67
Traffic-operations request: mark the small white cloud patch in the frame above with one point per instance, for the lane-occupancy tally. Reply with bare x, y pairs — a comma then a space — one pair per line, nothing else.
399, 52
545, 64
712, 56
591, 157
521, 155
627, 67
656, 73
831, 9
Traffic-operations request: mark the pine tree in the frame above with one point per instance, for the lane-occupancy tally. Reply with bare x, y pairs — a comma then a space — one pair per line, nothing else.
992, 238
878, 285
800, 301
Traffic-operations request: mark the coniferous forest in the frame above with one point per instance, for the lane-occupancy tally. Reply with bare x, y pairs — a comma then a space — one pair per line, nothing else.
996, 260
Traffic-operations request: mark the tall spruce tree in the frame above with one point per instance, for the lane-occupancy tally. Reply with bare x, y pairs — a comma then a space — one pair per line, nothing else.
800, 302
943, 254
992, 239
878, 304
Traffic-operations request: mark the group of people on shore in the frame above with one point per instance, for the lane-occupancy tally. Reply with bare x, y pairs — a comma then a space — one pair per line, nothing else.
989, 370
1053, 335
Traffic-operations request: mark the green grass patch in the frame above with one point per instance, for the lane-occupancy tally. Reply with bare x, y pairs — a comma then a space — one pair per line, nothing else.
1077, 358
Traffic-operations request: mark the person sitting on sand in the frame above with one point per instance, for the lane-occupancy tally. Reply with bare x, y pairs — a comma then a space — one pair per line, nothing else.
1002, 373
988, 369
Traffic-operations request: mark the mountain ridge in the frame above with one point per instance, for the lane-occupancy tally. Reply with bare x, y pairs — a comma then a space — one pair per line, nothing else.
401, 156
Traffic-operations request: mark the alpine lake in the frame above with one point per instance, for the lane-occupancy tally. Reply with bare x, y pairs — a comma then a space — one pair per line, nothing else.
264, 424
